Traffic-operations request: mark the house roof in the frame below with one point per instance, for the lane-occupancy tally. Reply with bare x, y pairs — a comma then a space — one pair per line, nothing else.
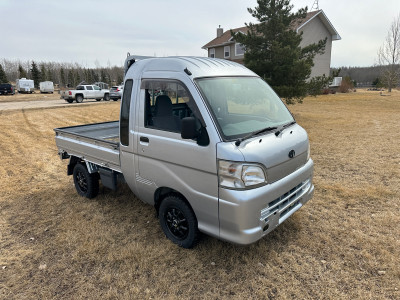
226, 37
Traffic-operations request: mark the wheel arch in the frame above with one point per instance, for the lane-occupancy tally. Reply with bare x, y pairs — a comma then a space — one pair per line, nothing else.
162, 192
72, 162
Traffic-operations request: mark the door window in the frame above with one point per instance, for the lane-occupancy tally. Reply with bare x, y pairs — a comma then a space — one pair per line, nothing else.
166, 104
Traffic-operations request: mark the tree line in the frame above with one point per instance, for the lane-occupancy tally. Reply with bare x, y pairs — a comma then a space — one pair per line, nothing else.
362, 76
63, 74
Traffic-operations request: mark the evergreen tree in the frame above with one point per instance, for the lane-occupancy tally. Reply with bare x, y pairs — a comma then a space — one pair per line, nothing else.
273, 48
35, 74
62, 77
103, 75
22, 72
43, 73
95, 76
71, 78
3, 76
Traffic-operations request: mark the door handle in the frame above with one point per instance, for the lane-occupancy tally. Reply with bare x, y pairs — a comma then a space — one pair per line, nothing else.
144, 139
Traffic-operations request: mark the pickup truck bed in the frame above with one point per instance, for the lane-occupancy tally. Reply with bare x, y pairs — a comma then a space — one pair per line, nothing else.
97, 143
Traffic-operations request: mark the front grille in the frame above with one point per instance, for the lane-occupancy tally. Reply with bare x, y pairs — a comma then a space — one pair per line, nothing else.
285, 203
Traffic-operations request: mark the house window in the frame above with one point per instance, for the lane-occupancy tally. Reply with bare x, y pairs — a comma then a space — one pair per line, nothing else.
239, 49
212, 52
227, 51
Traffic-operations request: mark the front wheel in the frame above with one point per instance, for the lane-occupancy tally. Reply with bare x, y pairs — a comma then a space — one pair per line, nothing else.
70, 100
86, 184
106, 97
178, 222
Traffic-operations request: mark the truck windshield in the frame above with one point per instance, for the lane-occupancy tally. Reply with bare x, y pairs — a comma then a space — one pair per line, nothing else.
242, 105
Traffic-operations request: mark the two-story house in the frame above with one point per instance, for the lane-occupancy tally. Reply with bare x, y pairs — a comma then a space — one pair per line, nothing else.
316, 26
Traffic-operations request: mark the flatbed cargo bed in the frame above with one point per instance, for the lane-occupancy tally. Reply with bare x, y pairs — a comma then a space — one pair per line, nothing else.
97, 143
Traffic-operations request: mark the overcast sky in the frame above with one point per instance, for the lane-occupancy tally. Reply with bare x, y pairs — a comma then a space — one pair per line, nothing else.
102, 32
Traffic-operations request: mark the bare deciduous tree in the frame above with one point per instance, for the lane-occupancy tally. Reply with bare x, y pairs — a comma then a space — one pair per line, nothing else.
389, 56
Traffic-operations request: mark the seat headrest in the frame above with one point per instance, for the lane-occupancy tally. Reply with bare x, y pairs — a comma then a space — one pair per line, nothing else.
163, 106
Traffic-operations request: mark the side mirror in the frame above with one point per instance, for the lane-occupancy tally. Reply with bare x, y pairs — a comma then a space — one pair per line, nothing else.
188, 128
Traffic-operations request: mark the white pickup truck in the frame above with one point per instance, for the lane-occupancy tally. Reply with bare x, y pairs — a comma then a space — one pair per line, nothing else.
85, 92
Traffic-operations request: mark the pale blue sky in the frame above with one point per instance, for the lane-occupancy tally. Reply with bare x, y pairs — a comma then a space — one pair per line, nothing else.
102, 32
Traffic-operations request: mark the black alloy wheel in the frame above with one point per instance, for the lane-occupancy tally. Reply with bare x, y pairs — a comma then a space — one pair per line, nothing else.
178, 222
86, 184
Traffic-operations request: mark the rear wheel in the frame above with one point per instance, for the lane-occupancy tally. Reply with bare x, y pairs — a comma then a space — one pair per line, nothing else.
106, 97
178, 222
79, 98
86, 184
70, 100
98, 99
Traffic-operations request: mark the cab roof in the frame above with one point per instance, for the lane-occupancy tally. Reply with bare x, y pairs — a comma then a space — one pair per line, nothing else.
193, 66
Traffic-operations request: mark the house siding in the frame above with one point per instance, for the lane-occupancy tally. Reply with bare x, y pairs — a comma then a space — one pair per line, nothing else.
314, 31
219, 53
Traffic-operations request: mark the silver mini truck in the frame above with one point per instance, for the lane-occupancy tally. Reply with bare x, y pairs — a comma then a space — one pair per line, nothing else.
205, 141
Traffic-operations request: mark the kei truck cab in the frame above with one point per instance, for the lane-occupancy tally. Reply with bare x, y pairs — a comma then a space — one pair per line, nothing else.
205, 141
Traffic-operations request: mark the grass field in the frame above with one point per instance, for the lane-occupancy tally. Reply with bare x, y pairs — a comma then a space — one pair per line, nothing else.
344, 244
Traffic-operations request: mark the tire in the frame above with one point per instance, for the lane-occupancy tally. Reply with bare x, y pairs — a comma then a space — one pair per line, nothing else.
70, 100
178, 222
78, 98
98, 99
106, 97
86, 184
115, 99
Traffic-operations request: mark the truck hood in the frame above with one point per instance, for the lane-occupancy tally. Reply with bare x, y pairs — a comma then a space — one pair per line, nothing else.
281, 155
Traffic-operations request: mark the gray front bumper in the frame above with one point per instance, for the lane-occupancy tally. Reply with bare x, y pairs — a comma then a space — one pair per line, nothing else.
246, 216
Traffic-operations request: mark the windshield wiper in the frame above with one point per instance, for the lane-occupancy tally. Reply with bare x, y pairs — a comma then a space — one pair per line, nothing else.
283, 127
254, 133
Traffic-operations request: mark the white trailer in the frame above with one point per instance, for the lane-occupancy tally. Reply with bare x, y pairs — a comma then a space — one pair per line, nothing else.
46, 87
25, 85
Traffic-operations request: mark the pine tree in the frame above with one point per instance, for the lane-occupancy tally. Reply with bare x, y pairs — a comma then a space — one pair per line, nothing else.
71, 78
273, 48
3, 76
35, 74
43, 73
22, 72
62, 77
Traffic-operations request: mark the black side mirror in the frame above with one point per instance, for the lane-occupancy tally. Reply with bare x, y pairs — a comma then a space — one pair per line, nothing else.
188, 126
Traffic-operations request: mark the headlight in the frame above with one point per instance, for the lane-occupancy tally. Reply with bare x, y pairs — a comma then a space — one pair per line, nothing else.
240, 175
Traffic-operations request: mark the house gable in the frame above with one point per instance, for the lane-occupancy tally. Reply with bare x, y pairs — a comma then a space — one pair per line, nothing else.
314, 27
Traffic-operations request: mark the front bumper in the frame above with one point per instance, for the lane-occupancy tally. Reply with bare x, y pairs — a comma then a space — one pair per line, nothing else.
248, 215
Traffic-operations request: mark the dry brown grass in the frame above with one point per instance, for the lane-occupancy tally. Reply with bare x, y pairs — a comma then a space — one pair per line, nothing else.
29, 97
344, 244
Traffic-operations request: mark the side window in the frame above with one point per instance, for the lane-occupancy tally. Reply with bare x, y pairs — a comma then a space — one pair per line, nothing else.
89, 88
227, 51
212, 53
125, 109
166, 104
96, 88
